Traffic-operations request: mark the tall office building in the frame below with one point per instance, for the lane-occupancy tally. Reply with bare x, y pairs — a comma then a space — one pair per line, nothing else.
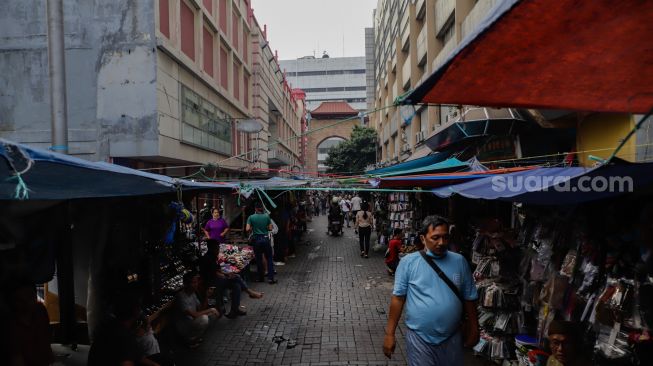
370, 76
411, 40
329, 80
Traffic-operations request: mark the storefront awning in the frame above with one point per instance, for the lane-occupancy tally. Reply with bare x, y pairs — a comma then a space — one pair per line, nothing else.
53, 176
412, 164
439, 179
556, 186
563, 54
451, 164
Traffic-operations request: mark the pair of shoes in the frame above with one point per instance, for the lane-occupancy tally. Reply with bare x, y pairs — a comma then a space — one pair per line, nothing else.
362, 254
366, 256
272, 282
279, 263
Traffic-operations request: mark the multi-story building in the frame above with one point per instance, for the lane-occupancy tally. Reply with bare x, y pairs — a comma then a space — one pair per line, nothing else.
411, 40
370, 76
278, 107
329, 79
151, 84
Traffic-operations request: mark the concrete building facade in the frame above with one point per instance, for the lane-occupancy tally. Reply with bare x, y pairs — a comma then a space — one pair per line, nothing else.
324, 132
329, 79
151, 84
411, 40
278, 107
370, 72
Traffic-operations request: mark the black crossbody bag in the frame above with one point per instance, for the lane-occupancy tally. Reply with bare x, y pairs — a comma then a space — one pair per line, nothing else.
464, 321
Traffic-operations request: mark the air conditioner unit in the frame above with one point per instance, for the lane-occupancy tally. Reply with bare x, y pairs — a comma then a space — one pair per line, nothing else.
419, 137
405, 148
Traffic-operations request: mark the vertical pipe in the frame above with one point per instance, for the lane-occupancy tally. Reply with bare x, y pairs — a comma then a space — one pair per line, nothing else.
57, 66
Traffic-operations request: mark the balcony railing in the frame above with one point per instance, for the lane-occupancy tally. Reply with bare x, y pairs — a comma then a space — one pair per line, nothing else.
422, 46
405, 74
386, 132
474, 18
420, 8
443, 10
394, 122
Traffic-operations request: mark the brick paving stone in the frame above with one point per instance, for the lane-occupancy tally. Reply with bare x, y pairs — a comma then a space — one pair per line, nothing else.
329, 300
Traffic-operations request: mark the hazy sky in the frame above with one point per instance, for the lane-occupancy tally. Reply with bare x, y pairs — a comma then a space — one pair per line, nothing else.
305, 27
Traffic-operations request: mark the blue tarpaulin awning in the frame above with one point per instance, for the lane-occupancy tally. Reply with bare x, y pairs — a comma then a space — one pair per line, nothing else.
556, 186
52, 176
447, 165
412, 164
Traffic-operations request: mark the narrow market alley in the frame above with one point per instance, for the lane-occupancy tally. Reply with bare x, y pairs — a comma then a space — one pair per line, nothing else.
329, 308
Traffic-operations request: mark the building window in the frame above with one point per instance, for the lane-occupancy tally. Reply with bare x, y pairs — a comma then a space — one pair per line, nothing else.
164, 18
234, 31
223, 15
203, 124
207, 38
323, 151
448, 30
187, 30
236, 73
208, 4
245, 43
246, 91
224, 73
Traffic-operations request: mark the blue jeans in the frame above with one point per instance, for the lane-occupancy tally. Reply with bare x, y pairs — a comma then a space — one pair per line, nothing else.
421, 353
232, 284
262, 247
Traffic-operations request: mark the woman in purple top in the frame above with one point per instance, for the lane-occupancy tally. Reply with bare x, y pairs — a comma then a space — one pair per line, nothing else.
216, 228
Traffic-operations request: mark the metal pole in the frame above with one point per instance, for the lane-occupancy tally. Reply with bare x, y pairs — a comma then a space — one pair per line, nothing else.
57, 63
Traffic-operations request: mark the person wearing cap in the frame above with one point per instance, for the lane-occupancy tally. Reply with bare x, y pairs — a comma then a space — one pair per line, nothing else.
260, 225
564, 340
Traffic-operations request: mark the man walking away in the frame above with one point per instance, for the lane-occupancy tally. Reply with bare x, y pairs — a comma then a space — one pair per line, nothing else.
260, 224
345, 207
436, 302
356, 205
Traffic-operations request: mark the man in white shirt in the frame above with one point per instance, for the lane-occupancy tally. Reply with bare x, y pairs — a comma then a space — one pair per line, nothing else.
355, 205
345, 207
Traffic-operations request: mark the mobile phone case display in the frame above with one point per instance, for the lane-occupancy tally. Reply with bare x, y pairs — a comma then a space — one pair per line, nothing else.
495, 256
562, 278
401, 211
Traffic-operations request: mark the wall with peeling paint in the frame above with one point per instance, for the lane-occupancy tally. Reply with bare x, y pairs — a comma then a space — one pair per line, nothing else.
110, 76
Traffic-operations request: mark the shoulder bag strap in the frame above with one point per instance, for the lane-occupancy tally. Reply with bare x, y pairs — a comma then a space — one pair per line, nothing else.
443, 276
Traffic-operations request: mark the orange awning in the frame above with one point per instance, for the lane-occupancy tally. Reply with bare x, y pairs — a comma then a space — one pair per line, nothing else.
565, 54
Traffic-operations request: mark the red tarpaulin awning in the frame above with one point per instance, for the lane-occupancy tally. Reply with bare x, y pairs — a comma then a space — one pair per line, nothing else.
565, 54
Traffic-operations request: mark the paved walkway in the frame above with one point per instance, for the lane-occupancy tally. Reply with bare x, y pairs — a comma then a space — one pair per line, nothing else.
329, 308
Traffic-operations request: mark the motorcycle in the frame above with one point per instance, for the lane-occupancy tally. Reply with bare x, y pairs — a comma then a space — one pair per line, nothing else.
335, 225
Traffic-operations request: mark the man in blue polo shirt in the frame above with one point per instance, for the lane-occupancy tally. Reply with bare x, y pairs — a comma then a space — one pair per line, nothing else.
433, 311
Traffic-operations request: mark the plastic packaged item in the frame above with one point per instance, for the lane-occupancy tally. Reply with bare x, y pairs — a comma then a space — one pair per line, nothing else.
568, 264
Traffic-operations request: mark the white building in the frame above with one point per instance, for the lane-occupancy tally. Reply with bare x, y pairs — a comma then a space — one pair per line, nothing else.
329, 79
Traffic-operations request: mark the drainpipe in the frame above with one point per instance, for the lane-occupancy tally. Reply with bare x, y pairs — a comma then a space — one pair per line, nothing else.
59, 143
57, 64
